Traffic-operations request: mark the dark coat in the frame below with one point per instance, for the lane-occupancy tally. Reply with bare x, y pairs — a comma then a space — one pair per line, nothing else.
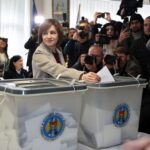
141, 53
31, 45
10, 74
73, 49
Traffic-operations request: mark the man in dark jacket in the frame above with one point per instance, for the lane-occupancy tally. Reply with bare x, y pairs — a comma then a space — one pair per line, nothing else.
140, 50
31, 45
132, 31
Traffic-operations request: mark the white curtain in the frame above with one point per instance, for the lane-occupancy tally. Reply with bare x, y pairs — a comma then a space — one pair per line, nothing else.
88, 7
15, 25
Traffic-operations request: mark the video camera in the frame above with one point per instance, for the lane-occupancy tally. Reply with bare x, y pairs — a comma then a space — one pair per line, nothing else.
90, 59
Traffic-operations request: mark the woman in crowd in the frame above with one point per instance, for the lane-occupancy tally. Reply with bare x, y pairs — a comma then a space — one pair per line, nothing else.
15, 69
48, 60
108, 38
3, 55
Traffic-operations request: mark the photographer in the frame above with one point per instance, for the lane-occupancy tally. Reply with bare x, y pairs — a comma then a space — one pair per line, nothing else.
91, 61
78, 44
110, 61
133, 30
96, 27
127, 64
31, 45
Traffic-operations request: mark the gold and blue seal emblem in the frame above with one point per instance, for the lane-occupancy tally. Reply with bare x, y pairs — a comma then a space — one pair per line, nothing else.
52, 126
121, 115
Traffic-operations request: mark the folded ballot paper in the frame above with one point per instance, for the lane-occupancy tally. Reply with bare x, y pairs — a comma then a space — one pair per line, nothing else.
105, 75
42, 131
100, 132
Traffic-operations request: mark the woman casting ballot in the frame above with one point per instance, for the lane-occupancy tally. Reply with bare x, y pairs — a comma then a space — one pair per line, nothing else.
48, 59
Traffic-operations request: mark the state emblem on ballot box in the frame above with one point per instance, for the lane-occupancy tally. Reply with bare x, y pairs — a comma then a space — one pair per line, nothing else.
52, 126
121, 115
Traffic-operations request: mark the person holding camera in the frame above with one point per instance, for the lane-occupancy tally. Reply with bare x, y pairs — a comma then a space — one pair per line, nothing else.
31, 45
68, 37
91, 61
131, 31
110, 61
127, 65
78, 44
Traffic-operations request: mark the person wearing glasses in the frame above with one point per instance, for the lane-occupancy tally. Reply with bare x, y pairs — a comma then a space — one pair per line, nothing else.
92, 61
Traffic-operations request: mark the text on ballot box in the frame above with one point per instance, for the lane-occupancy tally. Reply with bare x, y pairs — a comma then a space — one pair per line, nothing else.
110, 113
40, 114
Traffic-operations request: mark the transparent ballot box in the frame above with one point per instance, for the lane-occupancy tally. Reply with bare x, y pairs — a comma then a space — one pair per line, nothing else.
110, 113
40, 114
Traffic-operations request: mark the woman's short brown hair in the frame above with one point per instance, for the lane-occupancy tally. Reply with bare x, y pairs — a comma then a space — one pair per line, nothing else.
46, 25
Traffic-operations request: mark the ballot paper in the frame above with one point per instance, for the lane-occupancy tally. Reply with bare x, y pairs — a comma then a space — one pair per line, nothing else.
105, 75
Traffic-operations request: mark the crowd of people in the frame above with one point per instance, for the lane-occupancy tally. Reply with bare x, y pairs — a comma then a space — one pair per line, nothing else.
124, 47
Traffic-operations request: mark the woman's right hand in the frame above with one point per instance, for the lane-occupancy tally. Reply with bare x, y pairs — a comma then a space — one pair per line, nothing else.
91, 77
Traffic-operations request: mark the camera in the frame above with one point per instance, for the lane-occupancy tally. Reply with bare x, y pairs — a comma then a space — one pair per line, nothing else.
83, 34
110, 59
101, 15
90, 59
104, 39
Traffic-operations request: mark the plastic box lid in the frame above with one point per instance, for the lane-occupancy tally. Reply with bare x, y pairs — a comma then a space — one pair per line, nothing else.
120, 81
37, 86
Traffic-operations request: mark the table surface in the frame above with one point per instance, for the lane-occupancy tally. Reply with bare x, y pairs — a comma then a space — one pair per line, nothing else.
84, 147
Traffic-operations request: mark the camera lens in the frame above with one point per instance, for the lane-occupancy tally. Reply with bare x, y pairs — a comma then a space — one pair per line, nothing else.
90, 59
